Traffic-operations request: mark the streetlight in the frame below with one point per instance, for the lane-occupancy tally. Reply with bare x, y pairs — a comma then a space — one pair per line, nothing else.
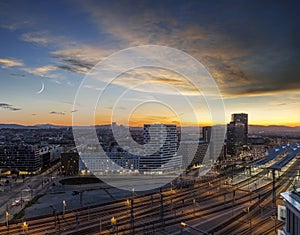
31, 190
7, 217
233, 199
54, 214
162, 209
77, 217
183, 224
250, 221
132, 213
25, 227
129, 203
100, 229
274, 218
209, 185
194, 203
113, 221
21, 199
64, 205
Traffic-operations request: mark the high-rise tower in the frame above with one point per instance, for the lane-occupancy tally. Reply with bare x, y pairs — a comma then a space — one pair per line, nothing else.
241, 118
237, 133
160, 144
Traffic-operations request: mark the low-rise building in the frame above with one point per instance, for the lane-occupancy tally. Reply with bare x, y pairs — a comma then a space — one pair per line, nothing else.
27, 159
70, 163
291, 212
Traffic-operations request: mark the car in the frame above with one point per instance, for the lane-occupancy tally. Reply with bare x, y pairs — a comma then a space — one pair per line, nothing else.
16, 202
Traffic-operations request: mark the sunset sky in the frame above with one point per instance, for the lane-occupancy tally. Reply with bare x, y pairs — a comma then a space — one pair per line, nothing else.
251, 48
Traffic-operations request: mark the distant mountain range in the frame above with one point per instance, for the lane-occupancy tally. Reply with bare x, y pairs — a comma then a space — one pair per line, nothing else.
38, 126
274, 130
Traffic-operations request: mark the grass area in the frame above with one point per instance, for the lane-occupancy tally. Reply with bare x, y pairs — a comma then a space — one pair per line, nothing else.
80, 180
57, 193
21, 213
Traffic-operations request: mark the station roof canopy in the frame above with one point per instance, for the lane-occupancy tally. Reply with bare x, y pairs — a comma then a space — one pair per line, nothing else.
293, 152
272, 154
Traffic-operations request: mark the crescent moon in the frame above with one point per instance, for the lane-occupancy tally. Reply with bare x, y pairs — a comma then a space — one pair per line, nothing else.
42, 88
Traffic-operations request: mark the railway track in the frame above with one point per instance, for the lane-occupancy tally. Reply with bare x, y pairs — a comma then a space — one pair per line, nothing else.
159, 212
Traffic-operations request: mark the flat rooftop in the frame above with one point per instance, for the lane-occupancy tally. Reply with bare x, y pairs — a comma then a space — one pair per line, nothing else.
292, 198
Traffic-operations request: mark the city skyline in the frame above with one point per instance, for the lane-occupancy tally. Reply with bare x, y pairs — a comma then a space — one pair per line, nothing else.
250, 49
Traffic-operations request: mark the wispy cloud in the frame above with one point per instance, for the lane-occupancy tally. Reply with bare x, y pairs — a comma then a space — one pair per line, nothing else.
57, 113
9, 107
17, 75
47, 71
12, 26
10, 62
41, 71
93, 87
40, 37
46, 38
79, 59
156, 80
9, 11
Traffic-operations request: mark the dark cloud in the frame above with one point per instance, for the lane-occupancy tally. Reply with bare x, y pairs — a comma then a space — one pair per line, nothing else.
249, 47
70, 68
75, 65
57, 113
72, 62
17, 75
8, 107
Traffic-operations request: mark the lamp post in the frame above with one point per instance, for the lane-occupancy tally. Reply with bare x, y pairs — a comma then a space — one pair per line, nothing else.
64, 205
113, 221
209, 185
273, 188
21, 199
233, 199
162, 209
7, 218
25, 227
132, 213
31, 190
54, 214
77, 217
274, 218
250, 221
129, 204
194, 203
183, 224
100, 229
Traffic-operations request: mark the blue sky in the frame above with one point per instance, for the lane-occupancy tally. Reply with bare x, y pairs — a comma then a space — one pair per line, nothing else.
251, 48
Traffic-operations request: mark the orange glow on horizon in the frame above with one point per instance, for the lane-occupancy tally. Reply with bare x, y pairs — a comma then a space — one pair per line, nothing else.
66, 120
141, 123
